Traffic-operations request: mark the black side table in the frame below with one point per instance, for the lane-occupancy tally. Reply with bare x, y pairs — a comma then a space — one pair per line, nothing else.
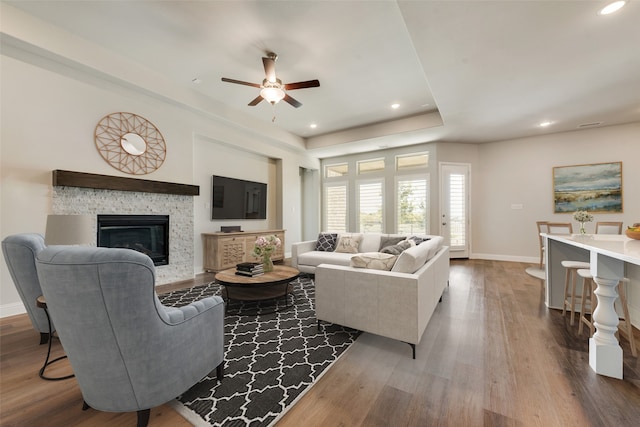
41, 303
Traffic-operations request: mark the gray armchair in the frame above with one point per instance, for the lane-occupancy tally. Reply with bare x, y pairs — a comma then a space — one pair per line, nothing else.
127, 350
20, 251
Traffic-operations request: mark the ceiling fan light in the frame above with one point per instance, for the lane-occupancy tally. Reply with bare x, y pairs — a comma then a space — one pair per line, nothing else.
272, 94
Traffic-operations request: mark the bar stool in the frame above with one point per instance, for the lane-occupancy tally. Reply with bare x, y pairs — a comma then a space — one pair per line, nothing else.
41, 303
571, 267
588, 288
571, 277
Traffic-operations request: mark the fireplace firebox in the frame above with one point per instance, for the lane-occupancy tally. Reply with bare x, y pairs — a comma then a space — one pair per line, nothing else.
148, 234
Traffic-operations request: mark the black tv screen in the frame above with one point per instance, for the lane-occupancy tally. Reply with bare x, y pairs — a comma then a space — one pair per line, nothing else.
238, 199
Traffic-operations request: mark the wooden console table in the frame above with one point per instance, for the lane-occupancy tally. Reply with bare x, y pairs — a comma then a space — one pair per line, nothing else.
225, 250
612, 258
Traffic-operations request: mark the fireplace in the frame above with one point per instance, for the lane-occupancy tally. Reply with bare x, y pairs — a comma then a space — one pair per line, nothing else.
148, 234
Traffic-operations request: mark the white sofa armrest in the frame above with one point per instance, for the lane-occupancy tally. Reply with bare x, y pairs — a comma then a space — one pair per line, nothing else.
300, 248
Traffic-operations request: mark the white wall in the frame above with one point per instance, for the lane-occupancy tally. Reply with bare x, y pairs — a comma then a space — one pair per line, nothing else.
521, 172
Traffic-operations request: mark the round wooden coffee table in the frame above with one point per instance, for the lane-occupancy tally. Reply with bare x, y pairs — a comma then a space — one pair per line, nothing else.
272, 285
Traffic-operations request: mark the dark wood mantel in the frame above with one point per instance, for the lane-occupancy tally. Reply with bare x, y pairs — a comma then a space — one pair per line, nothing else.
106, 182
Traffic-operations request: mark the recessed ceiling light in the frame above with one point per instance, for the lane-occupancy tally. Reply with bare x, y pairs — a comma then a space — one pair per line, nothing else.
196, 81
313, 125
545, 124
395, 106
612, 7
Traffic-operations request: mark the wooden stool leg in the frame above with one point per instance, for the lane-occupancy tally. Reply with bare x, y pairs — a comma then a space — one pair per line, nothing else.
574, 279
583, 311
587, 297
566, 291
627, 328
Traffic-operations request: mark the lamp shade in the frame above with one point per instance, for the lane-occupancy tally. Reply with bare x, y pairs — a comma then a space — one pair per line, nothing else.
68, 230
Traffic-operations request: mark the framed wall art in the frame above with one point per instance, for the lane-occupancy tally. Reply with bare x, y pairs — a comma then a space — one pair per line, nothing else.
594, 188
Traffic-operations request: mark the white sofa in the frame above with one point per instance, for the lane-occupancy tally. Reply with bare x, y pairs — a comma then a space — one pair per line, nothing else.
393, 304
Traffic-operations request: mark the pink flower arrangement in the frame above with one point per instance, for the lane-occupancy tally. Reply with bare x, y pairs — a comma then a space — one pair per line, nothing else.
265, 245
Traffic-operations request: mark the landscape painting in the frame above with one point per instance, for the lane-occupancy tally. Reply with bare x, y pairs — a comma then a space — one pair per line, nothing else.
594, 188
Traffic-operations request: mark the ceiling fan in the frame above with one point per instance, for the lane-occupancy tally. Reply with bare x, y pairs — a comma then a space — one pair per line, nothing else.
272, 89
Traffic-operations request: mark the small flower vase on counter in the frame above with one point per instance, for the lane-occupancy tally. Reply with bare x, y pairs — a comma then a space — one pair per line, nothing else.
267, 264
582, 217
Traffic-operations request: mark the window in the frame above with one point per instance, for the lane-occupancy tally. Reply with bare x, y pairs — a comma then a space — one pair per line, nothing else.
373, 165
370, 206
331, 171
412, 161
412, 204
335, 207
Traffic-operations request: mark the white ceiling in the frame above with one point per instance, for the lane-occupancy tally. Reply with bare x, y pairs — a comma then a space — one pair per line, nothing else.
464, 71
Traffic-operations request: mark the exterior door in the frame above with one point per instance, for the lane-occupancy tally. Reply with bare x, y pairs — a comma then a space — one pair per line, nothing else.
454, 207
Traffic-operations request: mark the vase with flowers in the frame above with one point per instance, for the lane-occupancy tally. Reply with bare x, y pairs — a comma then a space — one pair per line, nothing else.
263, 248
582, 217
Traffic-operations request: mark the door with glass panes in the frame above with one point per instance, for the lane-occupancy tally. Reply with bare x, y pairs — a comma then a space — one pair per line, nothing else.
454, 207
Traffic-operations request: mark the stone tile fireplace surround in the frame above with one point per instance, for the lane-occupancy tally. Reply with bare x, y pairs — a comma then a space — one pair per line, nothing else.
179, 207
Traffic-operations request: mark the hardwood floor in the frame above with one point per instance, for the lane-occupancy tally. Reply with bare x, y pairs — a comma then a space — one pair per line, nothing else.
492, 355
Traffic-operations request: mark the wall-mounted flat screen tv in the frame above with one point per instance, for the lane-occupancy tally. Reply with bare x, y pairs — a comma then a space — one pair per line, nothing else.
238, 199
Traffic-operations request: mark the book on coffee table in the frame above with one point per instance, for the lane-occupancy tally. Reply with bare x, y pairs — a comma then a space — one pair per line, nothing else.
249, 269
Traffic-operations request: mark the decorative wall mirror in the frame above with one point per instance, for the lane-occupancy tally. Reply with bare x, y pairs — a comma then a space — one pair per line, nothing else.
130, 143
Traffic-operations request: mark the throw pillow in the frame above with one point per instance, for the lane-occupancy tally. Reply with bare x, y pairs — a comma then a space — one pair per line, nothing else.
399, 248
419, 240
326, 242
374, 260
349, 243
389, 241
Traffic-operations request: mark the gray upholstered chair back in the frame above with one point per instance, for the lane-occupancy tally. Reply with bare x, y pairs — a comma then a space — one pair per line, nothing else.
20, 251
127, 350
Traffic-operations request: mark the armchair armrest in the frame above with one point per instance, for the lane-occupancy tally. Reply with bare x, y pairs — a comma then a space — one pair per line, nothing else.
181, 314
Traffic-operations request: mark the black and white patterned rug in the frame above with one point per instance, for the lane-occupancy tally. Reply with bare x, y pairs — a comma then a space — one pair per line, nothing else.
271, 359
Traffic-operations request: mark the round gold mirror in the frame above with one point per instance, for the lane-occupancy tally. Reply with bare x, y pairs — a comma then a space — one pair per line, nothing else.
130, 143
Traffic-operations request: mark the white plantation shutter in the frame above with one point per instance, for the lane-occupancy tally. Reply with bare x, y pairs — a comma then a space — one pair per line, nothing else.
370, 206
412, 204
335, 196
457, 210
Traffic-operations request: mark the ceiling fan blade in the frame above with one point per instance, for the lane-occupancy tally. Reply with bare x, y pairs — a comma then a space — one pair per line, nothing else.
302, 85
292, 101
269, 69
240, 82
256, 101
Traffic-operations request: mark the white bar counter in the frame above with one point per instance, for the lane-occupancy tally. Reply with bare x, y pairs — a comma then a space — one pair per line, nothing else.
609, 256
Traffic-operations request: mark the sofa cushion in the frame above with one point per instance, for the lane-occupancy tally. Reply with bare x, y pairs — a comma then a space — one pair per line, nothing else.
390, 240
413, 258
315, 258
374, 260
398, 248
326, 242
370, 242
349, 243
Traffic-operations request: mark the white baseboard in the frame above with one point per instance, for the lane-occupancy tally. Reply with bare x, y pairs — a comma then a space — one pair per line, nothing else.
510, 258
7, 310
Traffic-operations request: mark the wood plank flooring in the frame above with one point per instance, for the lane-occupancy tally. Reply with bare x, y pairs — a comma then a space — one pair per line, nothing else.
492, 355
